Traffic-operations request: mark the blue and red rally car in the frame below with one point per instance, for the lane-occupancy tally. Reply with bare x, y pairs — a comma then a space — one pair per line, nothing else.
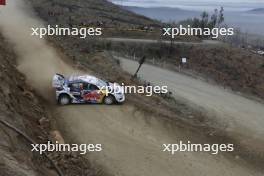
86, 89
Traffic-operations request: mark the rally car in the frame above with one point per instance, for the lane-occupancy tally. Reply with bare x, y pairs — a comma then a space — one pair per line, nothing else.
86, 89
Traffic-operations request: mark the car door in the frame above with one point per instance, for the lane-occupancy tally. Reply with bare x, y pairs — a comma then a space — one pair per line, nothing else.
92, 94
75, 90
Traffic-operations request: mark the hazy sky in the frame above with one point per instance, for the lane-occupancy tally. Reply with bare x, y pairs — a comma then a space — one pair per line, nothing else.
195, 4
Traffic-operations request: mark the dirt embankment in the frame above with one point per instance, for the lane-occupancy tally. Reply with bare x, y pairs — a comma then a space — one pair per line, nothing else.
21, 107
89, 13
235, 68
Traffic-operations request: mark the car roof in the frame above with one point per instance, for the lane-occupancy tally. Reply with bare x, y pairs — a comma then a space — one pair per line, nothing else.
83, 78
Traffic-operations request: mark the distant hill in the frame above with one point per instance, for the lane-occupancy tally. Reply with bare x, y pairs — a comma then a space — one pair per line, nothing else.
89, 12
163, 13
154, 8
258, 10
247, 21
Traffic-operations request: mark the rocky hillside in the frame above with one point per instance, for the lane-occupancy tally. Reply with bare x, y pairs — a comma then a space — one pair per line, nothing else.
19, 107
24, 110
88, 13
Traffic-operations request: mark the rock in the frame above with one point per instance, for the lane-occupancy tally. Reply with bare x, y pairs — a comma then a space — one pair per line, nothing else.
44, 122
56, 136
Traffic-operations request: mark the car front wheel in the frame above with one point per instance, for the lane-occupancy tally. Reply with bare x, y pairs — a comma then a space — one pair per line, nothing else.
64, 100
109, 100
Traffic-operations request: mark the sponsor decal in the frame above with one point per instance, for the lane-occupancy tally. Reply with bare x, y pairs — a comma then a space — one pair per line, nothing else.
92, 96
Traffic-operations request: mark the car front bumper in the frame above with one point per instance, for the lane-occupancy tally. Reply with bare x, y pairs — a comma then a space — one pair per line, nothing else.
120, 98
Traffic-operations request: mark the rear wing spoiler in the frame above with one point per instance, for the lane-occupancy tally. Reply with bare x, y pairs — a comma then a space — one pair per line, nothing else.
58, 81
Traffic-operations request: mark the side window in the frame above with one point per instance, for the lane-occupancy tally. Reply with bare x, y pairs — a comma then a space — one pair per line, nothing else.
93, 87
85, 86
74, 86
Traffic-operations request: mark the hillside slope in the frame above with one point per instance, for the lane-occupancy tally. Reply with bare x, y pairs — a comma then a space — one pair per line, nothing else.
87, 12
257, 11
165, 14
22, 108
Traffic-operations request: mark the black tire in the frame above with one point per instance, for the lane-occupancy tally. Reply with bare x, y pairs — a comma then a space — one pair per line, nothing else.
64, 99
109, 100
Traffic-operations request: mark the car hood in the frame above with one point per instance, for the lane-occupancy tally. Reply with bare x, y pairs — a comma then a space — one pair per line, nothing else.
115, 88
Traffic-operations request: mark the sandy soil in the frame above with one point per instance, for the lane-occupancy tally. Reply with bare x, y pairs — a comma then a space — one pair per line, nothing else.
131, 141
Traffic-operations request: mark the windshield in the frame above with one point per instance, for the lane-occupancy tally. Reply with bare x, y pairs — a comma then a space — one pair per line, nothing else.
101, 83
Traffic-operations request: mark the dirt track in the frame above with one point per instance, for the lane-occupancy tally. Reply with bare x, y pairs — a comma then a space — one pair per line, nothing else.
131, 141
129, 40
235, 113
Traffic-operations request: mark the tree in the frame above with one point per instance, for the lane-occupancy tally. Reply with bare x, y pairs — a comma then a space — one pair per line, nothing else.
214, 18
221, 17
196, 23
204, 20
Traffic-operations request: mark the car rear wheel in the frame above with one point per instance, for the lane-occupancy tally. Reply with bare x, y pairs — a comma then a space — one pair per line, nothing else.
64, 100
109, 100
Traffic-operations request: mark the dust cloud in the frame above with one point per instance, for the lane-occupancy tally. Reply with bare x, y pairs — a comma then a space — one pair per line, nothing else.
36, 59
